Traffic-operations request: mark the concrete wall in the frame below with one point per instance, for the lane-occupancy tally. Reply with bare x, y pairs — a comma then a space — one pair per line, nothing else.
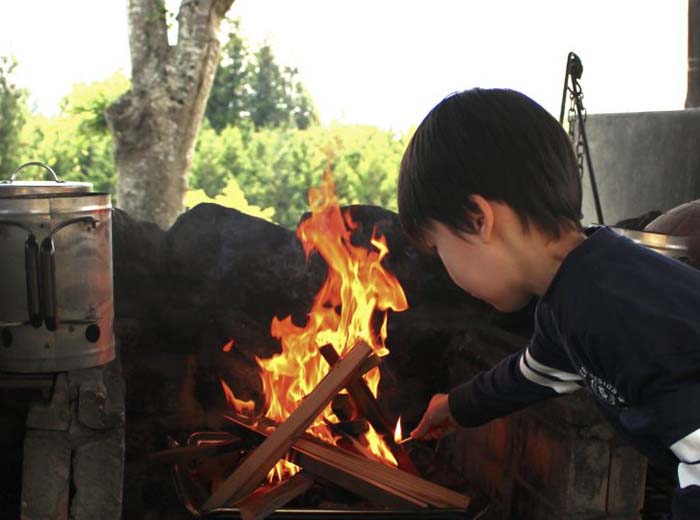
642, 161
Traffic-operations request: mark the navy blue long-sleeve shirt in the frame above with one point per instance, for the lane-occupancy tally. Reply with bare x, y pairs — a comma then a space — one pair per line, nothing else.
623, 322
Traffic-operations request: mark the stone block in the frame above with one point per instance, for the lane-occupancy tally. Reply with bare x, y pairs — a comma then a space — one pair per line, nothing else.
628, 471
100, 393
53, 414
498, 440
46, 475
98, 477
589, 476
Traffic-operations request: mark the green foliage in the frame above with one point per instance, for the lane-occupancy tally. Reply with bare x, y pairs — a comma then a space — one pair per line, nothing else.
229, 94
232, 196
89, 101
13, 115
216, 159
276, 166
262, 165
251, 86
76, 142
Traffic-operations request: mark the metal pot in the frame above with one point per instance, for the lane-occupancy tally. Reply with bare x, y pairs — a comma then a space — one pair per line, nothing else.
57, 308
668, 245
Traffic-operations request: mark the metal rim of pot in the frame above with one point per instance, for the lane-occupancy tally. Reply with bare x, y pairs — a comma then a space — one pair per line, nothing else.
669, 245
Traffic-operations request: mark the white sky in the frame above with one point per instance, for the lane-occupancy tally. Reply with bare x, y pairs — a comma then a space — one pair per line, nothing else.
387, 62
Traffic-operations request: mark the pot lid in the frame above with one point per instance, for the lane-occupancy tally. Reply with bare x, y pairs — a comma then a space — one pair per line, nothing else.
14, 188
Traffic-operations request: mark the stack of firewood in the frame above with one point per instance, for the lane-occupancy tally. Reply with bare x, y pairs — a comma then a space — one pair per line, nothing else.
379, 483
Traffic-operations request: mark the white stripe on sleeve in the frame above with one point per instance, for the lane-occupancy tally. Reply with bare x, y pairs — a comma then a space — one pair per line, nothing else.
688, 448
688, 452
559, 374
559, 387
689, 474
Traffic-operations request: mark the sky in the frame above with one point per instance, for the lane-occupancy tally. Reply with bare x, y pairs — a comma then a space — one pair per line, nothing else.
388, 62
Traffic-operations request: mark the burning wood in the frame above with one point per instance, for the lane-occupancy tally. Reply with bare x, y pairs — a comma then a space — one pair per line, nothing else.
185, 454
371, 479
368, 407
256, 466
343, 328
266, 500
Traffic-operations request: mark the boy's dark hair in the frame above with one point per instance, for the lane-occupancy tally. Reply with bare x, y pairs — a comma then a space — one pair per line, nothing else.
496, 143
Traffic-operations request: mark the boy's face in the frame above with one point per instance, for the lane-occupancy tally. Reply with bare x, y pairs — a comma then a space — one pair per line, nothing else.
486, 269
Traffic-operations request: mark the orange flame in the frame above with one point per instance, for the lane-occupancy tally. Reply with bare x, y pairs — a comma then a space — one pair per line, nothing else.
342, 313
241, 407
282, 470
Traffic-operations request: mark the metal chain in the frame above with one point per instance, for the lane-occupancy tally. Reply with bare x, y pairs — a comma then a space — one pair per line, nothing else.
576, 136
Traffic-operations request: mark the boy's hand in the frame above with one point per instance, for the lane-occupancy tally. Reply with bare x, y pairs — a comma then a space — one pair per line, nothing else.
437, 420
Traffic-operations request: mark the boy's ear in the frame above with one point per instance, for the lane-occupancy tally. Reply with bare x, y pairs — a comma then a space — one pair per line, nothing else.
484, 218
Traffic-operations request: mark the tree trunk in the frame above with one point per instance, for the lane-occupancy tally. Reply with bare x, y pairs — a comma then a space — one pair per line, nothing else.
154, 125
693, 98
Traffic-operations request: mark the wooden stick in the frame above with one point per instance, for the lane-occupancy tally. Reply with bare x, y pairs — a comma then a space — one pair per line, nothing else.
368, 407
375, 492
256, 466
185, 454
266, 500
377, 481
362, 395
389, 477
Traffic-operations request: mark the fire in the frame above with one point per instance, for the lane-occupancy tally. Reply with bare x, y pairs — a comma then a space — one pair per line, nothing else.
242, 407
283, 469
398, 434
342, 313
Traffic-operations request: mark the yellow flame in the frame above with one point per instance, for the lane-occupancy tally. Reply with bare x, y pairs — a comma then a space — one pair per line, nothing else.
282, 470
342, 314
398, 434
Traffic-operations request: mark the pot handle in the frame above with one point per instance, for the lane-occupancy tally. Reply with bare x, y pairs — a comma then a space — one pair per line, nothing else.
33, 163
49, 302
31, 271
47, 260
90, 220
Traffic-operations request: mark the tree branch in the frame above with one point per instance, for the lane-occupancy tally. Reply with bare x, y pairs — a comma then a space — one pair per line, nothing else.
197, 42
148, 41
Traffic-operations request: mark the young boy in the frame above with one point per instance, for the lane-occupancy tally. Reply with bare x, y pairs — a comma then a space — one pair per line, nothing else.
489, 181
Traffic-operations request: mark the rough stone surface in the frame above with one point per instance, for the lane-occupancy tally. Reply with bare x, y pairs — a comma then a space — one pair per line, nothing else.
100, 396
46, 475
138, 265
55, 413
628, 473
74, 448
97, 477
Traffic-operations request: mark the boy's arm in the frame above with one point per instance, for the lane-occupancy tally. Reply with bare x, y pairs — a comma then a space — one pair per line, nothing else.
524, 378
